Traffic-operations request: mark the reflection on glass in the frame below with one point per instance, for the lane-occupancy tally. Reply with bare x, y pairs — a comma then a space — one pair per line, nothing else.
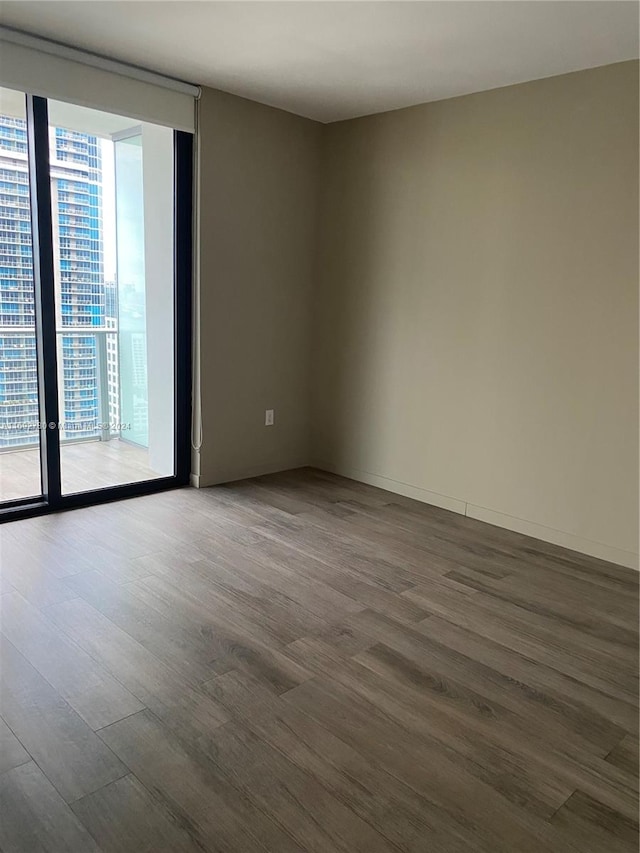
112, 211
131, 287
19, 410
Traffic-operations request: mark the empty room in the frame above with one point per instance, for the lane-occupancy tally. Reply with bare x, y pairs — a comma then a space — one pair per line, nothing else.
319, 426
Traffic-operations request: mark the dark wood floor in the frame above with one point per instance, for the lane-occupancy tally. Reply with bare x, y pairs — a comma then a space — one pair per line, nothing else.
303, 663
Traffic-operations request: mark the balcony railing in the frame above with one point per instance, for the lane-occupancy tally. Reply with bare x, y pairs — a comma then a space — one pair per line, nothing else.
19, 419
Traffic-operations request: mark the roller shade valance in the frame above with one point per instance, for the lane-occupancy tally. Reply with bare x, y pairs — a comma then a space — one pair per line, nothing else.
41, 67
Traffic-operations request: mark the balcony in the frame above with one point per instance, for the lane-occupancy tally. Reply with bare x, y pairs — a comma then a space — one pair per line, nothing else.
93, 453
86, 465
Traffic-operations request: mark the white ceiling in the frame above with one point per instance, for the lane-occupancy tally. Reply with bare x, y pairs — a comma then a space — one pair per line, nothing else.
336, 60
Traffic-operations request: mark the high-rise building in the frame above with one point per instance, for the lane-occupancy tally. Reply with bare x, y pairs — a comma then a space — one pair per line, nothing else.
113, 379
19, 413
76, 186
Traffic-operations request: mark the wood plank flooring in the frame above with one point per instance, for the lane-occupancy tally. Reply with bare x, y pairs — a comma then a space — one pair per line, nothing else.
305, 663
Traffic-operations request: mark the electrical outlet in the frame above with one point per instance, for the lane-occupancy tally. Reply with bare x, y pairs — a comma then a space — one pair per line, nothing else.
268, 417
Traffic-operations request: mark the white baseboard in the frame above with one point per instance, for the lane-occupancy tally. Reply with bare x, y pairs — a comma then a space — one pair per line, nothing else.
602, 551
557, 537
396, 486
229, 475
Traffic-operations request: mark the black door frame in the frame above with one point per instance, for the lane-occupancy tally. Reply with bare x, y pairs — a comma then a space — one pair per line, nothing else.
52, 499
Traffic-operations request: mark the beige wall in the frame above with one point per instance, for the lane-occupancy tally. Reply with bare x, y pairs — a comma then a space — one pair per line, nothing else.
477, 306
257, 199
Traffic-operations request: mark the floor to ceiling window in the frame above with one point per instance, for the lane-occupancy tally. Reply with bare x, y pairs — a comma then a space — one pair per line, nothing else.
19, 407
95, 255
112, 214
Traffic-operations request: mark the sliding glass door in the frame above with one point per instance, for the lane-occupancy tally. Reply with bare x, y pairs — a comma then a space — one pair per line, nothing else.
19, 398
95, 304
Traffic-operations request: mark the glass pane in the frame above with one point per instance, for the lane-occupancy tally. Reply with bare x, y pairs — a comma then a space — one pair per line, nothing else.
19, 409
112, 206
131, 291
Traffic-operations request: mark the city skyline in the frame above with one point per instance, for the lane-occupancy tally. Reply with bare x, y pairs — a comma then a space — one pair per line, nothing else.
84, 300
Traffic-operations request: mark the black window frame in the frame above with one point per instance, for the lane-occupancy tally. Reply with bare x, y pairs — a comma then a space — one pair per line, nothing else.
51, 499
